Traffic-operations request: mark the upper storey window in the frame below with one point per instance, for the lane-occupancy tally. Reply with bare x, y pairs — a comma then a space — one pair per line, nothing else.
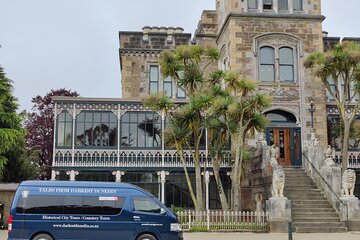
154, 79
283, 4
276, 64
297, 5
267, 4
167, 85
280, 5
252, 4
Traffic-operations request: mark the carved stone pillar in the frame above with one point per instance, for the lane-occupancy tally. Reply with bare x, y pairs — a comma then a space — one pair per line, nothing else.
72, 174
54, 174
163, 175
118, 175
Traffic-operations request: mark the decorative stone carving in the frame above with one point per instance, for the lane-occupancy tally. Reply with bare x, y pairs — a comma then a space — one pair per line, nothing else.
72, 174
274, 154
330, 155
348, 183
281, 92
278, 182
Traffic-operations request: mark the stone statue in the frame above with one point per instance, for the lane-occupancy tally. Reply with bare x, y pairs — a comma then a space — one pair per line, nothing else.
330, 155
278, 182
274, 154
348, 183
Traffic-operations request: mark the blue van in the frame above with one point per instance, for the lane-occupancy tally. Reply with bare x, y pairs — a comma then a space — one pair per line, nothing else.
49, 210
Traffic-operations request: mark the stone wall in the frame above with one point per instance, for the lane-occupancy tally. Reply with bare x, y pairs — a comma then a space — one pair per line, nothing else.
138, 50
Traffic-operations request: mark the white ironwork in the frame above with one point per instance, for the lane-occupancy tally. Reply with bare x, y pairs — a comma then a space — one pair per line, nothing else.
223, 221
162, 175
354, 159
129, 158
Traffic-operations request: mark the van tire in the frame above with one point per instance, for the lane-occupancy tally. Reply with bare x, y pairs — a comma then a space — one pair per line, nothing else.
146, 237
42, 236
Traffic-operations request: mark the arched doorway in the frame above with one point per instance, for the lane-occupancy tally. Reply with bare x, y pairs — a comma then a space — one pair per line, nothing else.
286, 135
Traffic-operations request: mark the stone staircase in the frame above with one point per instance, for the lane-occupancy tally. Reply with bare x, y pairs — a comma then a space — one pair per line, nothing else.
311, 211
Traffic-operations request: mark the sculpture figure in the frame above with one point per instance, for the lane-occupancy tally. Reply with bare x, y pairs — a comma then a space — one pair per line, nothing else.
330, 155
278, 182
348, 183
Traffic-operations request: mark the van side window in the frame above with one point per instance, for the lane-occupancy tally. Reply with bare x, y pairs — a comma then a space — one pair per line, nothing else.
146, 205
93, 205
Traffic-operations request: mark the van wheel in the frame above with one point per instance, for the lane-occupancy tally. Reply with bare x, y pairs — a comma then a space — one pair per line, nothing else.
42, 236
146, 237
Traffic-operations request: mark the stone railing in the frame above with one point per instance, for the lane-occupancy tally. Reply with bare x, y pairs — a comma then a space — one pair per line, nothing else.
130, 158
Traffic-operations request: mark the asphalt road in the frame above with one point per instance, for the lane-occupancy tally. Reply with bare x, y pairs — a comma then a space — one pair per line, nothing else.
259, 236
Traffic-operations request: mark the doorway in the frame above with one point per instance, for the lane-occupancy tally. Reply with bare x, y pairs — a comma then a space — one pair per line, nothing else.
286, 135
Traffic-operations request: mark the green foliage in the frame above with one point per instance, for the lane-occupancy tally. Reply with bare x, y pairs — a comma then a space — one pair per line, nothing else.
11, 131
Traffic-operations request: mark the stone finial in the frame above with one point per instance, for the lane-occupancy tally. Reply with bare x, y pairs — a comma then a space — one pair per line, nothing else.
348, 183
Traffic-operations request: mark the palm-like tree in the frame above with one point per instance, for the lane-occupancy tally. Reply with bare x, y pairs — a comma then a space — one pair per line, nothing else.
342, 65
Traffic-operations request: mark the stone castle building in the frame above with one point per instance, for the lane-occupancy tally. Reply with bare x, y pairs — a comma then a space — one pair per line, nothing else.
267, 40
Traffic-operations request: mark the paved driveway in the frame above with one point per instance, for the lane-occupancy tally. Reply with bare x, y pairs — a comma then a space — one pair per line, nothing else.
259, 236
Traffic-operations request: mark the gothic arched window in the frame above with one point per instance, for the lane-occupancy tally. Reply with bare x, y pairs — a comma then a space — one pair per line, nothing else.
267, 64
286, 64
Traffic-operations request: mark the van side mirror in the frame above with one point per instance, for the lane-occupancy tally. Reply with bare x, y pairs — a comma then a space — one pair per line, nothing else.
163, 211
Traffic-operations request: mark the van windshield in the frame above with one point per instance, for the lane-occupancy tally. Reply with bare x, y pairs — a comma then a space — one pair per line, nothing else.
92, 205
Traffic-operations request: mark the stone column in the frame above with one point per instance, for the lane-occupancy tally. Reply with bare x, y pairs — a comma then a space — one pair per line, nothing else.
279, 209
118, 175
207, 175
72, 174
162, 175
54, 174
351, 214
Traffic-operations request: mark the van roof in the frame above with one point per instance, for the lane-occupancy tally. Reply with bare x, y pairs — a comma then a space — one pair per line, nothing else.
79, 184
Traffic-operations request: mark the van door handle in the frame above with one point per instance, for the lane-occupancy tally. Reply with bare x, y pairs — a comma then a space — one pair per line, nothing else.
137, 218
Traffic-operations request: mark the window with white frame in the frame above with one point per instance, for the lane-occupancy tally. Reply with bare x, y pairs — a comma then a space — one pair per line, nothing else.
276, 64
339, 89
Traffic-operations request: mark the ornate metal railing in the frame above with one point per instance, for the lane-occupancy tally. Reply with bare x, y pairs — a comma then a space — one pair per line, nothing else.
354, 159
223, 221
130, 158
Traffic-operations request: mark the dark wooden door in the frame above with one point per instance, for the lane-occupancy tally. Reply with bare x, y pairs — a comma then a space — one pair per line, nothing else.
282, 139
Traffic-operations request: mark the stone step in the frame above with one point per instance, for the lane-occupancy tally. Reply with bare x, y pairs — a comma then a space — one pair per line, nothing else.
315, 219
312, 214
306, 206
315, 224
323, 201
304, 197
320, 229
318, 210
301, 187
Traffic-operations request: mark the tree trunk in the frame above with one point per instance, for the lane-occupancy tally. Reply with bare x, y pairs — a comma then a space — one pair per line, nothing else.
191, 190
198, 180
236, 204
219, 185
345, 146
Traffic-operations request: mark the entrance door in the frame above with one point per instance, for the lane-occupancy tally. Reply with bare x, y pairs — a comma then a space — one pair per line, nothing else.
288, 140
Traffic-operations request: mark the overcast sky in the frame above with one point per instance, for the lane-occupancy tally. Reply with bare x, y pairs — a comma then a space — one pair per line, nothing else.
51, 44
